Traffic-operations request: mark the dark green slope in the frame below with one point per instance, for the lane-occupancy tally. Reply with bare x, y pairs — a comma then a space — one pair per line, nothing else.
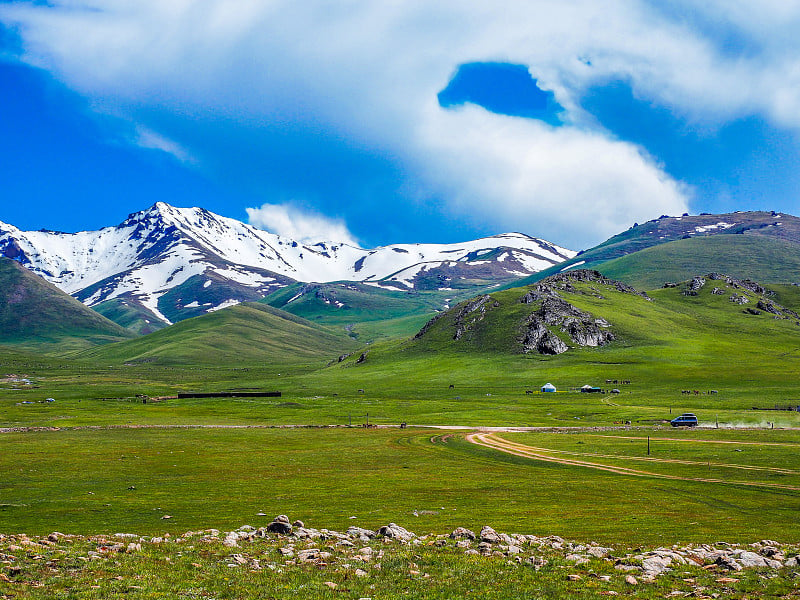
764, 259
243, 334
35, 313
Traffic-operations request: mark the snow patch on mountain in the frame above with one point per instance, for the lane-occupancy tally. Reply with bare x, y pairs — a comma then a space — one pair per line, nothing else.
720, 225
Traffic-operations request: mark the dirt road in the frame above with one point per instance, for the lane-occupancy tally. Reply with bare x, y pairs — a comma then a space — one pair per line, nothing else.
493, 441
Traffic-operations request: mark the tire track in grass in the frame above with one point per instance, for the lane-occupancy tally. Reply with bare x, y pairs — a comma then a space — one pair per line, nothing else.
667, 439
494, 442
678, 461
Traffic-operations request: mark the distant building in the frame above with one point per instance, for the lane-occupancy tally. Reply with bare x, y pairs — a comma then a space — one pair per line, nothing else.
589, 389
548, 387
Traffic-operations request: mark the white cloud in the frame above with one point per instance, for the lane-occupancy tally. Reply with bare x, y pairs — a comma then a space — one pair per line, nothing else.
300, 225
542, 179
146, 138
368, 72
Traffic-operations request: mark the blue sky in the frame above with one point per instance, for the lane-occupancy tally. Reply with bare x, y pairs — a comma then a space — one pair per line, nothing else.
379, 125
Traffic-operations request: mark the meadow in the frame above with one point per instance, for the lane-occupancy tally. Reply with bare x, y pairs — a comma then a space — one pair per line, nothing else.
116, 450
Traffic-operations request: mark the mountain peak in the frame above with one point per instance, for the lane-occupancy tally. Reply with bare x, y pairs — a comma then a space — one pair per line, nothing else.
180, 262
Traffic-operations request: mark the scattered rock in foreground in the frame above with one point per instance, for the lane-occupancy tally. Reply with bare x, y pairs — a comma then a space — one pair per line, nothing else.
297, 544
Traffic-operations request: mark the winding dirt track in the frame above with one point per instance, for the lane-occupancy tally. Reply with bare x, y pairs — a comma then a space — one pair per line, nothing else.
490, 440
698, 441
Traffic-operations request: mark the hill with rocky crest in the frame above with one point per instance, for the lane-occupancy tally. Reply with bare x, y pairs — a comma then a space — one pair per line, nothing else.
584, 309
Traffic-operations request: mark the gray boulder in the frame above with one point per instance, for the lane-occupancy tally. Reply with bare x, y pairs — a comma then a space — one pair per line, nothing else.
281, 525
395, 532
489, 535
461, 533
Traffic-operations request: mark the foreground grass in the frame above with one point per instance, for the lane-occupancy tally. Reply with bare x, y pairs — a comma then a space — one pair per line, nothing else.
198, 565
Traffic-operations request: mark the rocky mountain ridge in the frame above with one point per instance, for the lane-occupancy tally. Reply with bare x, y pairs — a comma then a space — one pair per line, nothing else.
189, 260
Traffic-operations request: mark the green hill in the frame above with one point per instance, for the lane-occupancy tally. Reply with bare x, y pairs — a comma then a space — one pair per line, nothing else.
130, 314
244, 334
578, 306
764, 259
368, 313
755, 226
672, 339
36, 314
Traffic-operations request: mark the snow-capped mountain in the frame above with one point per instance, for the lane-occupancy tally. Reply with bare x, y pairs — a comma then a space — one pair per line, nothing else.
189, 258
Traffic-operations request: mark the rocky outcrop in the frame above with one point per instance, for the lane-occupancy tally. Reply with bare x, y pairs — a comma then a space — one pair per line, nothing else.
581, 327
767, 306
564, 281
537, 337
541, 331
472, 312
744, 291
743, 284
428, 325
466, 316
694, 286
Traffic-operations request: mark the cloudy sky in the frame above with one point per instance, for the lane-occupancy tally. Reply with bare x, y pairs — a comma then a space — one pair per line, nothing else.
383, 121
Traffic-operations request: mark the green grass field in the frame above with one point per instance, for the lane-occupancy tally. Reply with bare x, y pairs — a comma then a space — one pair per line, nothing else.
99, 460
96, 481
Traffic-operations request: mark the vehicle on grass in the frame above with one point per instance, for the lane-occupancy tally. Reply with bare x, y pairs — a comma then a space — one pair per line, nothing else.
685, 420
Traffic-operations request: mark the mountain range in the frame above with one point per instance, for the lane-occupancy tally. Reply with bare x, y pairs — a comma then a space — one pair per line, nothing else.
305, 300
166, 264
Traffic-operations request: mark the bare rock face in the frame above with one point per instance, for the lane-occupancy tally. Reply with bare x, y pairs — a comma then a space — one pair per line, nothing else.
581, 327
538, 338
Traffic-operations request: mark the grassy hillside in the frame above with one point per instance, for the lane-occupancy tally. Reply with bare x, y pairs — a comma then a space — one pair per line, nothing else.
689, 329
759, 258
130, 314
242, 334
759, 225
670, 343
367, 313
36, 314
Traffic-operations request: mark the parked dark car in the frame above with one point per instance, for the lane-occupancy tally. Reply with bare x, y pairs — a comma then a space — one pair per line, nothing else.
685, 420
